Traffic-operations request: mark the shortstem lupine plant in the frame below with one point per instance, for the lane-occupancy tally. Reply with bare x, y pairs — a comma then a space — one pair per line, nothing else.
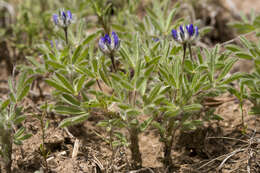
63, 20
186, 36
109, 45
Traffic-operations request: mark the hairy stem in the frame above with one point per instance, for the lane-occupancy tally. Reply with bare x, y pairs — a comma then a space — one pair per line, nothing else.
66, 35
113, 62
136, 157
191, 57
112, 148
99, 86
183, 58
6, 138
242, 113
168, 143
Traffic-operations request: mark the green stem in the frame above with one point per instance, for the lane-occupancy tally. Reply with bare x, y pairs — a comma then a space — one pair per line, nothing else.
66, 35
242, 113
113, 62
6, 138
99, 86
191, 57
184, 54
136, 157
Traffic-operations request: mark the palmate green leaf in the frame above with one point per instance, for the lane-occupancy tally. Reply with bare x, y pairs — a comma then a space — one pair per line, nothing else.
195, 80
104, 77
128, 86
24, 137
29, 80
163, 73
85, 71
159, 127
94, 63
245, 42
137, 48
200, 83
149, 71
103, 124
76, 54
232, 78
4, 104
200, 58
140, 82
68, 110
74, 120
188, 65
65, 82
255, 95
34, 62
21, 80
151, 13
119, 28
172, 113
80, 83
52, 57
233, 48
70, 99
176, 74
145, 124
244, 55
192, 107
57, 86
19, 132
155, 47
126, 56
143, 87
169, 20
192, 125
23, 93
155, 91
132, 112
55, 65
235, 92
90, 38
156, 24
153, 61
255, 110
137, 70
90, 83
166, 51
212, 63
226, 69
92, 104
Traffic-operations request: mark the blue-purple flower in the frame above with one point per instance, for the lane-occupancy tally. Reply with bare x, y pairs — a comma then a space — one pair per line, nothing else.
186, 34
63, 18
109, 44
155, 39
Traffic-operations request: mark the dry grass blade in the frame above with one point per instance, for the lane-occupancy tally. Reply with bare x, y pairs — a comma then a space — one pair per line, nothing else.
75, 149
229, 156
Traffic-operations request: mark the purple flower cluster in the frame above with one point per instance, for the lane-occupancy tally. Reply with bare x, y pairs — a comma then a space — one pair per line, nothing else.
185, 35
63, 18
109, 44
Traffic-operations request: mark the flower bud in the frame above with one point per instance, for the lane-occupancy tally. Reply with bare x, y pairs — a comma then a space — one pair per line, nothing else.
109, 44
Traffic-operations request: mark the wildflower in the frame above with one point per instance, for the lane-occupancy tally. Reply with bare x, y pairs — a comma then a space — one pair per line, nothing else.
63, 19
155, 39
185, 35
109, 44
